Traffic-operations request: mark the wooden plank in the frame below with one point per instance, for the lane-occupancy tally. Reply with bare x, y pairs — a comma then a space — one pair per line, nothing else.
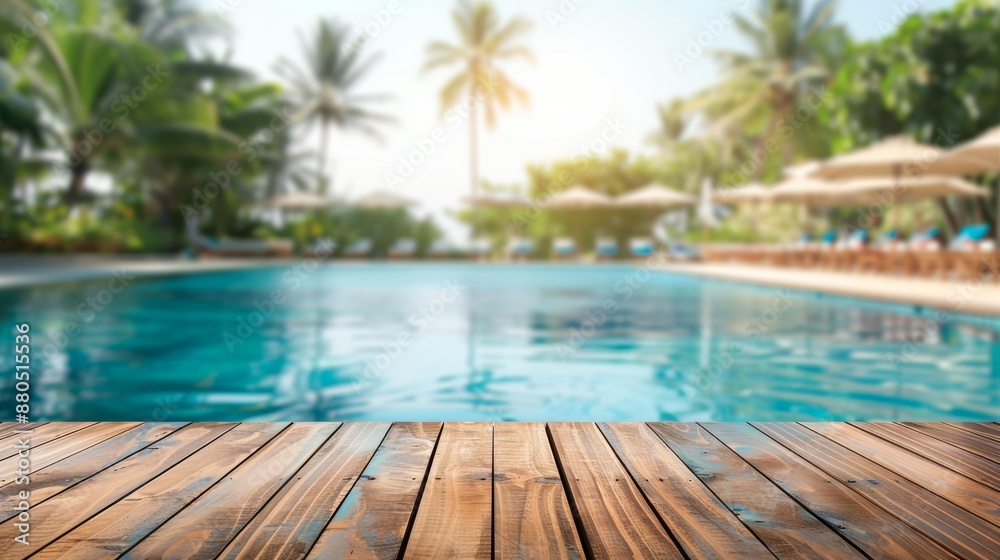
58, 476
531, 515
974, 443
702, 525
115, 529
959, 460
68, 509
983, 428
60, 449
290, 523
872, 529
788, 529
455, 515
8, 430
41, 436
206, 525
964, 492
958, 530
615, 520
373, 518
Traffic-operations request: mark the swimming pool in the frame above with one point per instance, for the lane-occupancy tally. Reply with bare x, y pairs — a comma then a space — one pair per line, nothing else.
490, 342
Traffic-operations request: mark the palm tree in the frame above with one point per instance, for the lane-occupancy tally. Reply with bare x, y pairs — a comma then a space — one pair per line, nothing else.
792, 50
484, 42
324, 89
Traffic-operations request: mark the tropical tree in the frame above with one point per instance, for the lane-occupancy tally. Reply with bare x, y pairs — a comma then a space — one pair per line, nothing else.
325, 89
792, 51
484, 42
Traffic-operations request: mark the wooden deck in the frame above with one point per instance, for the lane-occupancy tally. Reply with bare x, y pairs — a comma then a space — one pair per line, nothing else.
480, 490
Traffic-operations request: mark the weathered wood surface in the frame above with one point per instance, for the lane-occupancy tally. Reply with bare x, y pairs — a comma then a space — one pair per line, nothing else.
481, 490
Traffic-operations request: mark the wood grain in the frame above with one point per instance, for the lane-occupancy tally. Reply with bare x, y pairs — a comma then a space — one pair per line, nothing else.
114, 530
960, 490
871, 528
788, 529
615, 518
66, 510
373, 518
531, 515
60, 475
231, 503
958, 530
959, 460
454, 519
704, 526
289, 524
975, 443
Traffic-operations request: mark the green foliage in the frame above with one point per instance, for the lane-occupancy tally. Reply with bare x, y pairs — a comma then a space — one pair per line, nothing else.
935, 75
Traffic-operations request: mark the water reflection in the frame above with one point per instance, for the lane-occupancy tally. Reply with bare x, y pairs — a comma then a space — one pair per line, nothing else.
518, 343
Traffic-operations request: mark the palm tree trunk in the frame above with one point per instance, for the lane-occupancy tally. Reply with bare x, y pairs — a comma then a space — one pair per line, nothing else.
324, 134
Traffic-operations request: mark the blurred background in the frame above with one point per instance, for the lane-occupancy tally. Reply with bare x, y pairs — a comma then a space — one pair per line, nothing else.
120, 120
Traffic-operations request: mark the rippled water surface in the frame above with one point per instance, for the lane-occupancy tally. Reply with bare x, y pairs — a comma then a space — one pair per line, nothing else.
490, 342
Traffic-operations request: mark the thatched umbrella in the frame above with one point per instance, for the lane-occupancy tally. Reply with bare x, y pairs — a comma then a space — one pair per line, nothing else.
383, 200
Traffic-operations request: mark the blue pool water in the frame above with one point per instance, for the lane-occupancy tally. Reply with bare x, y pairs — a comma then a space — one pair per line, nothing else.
490, 342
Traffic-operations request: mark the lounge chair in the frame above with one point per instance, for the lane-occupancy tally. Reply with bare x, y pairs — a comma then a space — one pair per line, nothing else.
972, 253
405, 248
683, 252
520, 248
641, 247
321, 249
563, 248
481, 248
208, 246
606, 248
439, 249
359, 249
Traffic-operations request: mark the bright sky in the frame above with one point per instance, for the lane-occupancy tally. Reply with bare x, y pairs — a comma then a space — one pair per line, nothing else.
602, 66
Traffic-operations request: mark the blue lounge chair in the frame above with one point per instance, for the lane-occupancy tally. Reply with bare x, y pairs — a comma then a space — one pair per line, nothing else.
520, 248
606, 248
563, 248
970, 236
403, 249
204, 245
359, 249
641, 247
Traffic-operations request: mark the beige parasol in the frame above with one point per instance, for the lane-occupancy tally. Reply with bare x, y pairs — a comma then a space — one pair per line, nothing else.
655, 195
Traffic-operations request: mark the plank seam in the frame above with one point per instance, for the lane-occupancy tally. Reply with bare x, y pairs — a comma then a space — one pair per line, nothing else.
785, 492
941, 439
863, 495
188, 504
588, 550
112, 504
420, 494
649, 502
355, 483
